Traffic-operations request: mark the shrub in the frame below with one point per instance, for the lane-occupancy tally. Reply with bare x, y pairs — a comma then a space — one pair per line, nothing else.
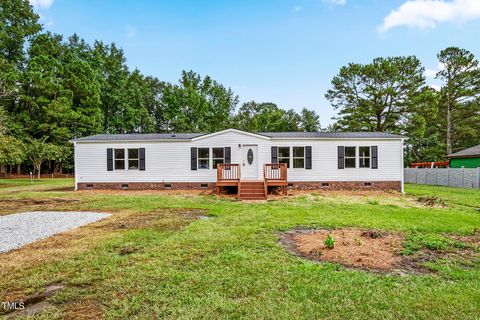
329, 242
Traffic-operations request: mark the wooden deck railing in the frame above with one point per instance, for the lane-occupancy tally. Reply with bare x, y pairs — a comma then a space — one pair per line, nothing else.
228, 172
275, 171
275, 175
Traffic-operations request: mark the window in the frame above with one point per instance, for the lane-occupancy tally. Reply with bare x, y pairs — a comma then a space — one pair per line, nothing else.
132, 159
203, 158
250, 156
350, 157
218, 156
119, 159
364, 157
284, 155
299, 157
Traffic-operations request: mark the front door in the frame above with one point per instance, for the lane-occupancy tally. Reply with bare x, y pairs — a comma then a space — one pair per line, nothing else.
250, 162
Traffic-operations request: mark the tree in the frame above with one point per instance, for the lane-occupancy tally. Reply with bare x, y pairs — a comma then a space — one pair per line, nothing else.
18, 23
265, 117
376, 96
310, 121
152, 101
59, 155
38, 152
12, 151
3, 122
422, 126
196, 104
461, 87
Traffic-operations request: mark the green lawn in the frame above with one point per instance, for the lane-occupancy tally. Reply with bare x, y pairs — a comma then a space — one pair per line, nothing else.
231, 265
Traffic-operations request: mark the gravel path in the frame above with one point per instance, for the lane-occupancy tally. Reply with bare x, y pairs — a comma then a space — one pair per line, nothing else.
17, 230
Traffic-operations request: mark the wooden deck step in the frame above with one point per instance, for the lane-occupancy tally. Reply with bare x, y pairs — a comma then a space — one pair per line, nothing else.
252, 190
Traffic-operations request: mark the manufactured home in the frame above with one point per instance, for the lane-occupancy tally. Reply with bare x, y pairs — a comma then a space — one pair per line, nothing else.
249, 163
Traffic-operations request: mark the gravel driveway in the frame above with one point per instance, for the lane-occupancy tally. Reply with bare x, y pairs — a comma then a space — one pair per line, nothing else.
17, 230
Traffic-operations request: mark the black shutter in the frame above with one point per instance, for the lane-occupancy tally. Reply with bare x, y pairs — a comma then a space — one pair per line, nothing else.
274, 154
228, 155
193, 157
374, 157
141, 155
341, 157
109, 159
308, 157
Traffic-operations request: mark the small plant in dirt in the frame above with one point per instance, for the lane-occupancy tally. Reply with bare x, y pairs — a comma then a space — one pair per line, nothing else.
373, 202
329, 242
358, 242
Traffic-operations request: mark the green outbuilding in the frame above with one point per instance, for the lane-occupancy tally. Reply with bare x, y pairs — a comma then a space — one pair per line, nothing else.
468, 158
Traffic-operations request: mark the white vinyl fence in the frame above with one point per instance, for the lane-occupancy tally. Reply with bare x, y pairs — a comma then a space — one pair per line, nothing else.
450, 177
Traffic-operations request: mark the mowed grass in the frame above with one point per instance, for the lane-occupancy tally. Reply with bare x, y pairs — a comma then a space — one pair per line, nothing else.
231, 265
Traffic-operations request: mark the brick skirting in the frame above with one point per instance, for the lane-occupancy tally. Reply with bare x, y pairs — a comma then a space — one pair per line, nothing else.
326, 185
348, 185
145, 185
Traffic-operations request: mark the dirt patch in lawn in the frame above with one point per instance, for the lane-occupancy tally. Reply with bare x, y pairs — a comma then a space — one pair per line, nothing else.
370, 197
370, 250
165, 219
8, 206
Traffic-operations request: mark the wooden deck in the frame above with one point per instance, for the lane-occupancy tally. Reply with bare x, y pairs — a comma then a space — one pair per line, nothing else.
274, 175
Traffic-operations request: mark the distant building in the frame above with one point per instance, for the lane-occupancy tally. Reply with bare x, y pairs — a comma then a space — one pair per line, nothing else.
468, 158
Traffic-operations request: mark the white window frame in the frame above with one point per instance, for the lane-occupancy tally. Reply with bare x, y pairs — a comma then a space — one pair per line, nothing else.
360, 157
281, 158
349, 157
294, 157
213, 157
137, 158
208, 159
115, 158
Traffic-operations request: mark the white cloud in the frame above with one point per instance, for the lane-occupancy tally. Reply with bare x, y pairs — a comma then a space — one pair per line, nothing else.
297, 8
424, 14
44, 4
436, 87
335, 2
432, 73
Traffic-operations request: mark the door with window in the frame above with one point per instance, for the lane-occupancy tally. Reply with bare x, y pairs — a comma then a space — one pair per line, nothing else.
250, 162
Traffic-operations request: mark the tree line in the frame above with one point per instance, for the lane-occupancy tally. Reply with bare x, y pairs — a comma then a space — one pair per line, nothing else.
54, 89
391, 95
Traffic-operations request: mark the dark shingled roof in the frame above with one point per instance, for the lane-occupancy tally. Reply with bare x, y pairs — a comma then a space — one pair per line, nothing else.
467, 153
339, 135
277, 135
140, 137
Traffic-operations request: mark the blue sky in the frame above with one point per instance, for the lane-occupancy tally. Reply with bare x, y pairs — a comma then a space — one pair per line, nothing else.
283, 51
